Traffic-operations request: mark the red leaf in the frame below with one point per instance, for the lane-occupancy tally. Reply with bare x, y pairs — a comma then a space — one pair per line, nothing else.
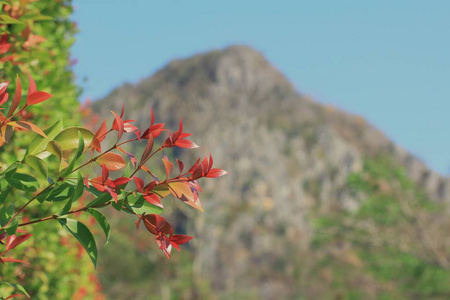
146, 169
31, 86
180, 128
138, 222
205, 165
32, 40
4, 48
152, 117
195, 185
139, 183
211, 162
199, 172
137, 133
123, 110
13, 241
156, 224
4, 98
180, 165
154, 130
86, 181
101, 132
214, 173
185, 144
121, 180
118, 125
98, 184
184, 135
194, 166
8, 259
112, 161
105, 174
3, 87
98, 137
182, 191
162, 225
147, 151
153, 199
27, 126
113, 194
149, 187
38, 97
16, 99
180, 239
128, 127
168, 166
157, 129
177, 133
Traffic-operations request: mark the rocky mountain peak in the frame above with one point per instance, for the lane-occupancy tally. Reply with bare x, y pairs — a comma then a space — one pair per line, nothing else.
287, 155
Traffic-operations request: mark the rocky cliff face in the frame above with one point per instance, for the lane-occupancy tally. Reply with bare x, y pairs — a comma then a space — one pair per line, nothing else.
288, 158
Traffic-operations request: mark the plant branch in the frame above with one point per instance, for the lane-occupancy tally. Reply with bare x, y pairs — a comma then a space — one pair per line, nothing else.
26, 204
54, 217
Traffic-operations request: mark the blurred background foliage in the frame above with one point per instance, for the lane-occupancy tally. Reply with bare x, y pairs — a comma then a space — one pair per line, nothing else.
40, 46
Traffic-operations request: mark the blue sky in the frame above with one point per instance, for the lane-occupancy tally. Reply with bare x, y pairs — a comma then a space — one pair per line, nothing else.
388, 61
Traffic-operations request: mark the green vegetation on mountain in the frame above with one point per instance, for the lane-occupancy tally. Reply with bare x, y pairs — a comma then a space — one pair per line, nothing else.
319, 204
392, 247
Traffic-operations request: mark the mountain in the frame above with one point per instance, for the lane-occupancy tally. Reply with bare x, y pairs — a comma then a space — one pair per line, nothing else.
294, 166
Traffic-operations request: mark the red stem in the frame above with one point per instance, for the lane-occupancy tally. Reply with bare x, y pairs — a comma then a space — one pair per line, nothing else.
56, 217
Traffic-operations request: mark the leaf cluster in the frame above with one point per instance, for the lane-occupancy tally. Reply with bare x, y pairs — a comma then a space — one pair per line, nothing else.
77, 148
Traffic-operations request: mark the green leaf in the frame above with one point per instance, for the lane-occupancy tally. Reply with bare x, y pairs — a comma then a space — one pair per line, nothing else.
12, 227
79, 188
78, 192
136, 199
43, 154
68, 138
23, 182
103, 198
93, 191
4, 194
102, 221
39, 143
55, 148
37, 164
66, 207
147, 210
118, 206
5, 19
77, 155
127, 171
83, 235
10, 170
44, 195
69, 168
137, 204
17, 287
61, 192
6, 212
80, 146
